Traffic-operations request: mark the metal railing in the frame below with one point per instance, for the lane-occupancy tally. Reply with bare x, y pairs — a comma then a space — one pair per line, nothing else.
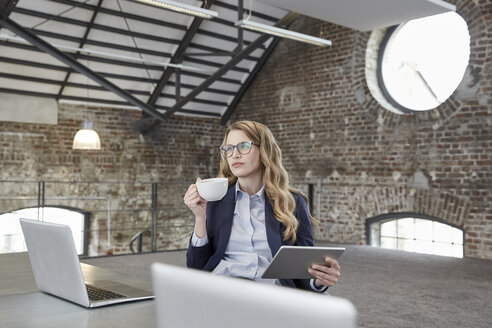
120, 214
118, 210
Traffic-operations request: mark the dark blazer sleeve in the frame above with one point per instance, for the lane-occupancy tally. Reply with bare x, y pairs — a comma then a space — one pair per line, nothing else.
219, 223
197, 257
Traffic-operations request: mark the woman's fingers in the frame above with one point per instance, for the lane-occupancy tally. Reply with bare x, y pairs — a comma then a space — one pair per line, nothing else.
332, 263
192, 199
327, 274
327, 279
323, 279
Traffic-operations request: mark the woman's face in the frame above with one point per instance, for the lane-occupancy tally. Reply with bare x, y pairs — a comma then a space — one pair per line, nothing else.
247, 165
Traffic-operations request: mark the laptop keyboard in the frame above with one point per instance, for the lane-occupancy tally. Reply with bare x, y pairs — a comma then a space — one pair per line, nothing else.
98, 294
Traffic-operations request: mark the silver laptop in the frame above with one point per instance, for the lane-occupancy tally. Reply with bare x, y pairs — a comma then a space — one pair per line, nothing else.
57, 269
192, 298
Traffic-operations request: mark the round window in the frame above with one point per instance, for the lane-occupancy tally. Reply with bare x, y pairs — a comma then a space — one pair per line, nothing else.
422, 62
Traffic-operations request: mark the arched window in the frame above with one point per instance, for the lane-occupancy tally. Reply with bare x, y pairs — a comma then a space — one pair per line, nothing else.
415, 233
12, 238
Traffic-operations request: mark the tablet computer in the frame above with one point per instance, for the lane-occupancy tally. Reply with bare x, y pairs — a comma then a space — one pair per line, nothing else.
292, 262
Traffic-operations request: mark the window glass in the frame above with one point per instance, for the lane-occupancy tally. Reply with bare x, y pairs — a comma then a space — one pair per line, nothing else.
389, 229
406, 228
443, 233
389, 242
12, 238
424, 247
423, 61
423, 229
406, 245
458, 250
457, 236
444, 249
420, 236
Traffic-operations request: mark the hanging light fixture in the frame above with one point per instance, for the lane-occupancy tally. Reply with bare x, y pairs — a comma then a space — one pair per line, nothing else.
86, 138
182, 8
276, 31
282, 33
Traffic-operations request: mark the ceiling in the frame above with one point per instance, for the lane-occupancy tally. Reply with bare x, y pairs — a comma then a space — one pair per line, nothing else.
365, 15
216, 67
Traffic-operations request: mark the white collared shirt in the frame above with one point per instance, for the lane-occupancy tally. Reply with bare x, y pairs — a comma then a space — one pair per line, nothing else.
247, 254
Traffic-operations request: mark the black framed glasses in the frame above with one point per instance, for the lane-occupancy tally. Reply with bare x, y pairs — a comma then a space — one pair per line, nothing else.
243, 148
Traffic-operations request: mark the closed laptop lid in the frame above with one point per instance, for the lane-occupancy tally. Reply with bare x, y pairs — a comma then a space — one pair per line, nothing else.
54, 260
192, 298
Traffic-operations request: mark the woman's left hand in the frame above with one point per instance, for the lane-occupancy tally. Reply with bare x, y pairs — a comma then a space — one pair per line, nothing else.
326, 274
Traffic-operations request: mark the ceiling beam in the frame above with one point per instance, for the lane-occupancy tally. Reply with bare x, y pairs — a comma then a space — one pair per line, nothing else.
98, 87
138, 18
239, 95
6, 7
22, 62
118, 13
120, 62
101, 43
101, 27
237, 98
99, 101
69, 61
253, 13
234, 61
177, 56
133, 49
81, 45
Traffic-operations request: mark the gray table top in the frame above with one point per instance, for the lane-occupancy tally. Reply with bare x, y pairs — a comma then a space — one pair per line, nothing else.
23, 305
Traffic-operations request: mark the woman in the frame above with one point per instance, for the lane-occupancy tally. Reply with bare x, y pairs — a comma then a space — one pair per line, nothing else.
238, 235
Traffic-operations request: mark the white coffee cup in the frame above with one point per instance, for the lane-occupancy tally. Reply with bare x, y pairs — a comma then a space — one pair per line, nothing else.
212, 189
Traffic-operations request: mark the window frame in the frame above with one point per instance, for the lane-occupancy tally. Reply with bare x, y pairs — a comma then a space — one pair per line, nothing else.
86, 223
379, 72
405, 215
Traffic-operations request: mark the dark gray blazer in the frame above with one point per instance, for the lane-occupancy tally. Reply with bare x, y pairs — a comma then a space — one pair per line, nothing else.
219, 224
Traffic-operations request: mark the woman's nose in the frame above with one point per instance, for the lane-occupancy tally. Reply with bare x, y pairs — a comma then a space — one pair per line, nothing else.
235, 152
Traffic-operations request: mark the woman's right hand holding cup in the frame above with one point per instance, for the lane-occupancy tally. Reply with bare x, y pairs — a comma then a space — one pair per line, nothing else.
198, 206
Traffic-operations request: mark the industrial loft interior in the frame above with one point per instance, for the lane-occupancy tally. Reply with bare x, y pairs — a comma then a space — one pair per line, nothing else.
111, 109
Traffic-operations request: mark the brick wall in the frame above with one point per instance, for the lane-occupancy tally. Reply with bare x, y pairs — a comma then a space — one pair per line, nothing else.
365, 160
114, 182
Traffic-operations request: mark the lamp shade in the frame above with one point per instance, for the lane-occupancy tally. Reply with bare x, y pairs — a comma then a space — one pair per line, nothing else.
86, 138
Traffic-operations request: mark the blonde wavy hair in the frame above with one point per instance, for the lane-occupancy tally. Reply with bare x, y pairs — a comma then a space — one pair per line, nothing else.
275, 177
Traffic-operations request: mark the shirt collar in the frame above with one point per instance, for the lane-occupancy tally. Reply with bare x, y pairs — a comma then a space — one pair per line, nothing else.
260, 193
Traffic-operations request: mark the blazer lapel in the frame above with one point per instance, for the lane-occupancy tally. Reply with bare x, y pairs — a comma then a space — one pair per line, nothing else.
227, 206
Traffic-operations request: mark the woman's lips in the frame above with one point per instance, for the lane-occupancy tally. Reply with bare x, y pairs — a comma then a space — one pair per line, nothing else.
237, 164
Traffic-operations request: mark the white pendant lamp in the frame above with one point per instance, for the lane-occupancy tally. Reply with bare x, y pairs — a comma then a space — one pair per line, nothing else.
86, 138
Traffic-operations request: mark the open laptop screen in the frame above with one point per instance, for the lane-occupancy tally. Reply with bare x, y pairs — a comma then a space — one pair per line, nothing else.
192, 298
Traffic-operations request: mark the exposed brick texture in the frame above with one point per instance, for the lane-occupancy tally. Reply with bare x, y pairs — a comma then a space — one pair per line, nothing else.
117, 177
368, 160
363, 159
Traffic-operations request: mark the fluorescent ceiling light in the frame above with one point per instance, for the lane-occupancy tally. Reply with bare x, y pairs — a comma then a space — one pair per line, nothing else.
282, 33
110, 55
182, 8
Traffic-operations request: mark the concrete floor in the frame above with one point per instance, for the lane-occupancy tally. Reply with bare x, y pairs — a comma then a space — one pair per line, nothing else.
389, 288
